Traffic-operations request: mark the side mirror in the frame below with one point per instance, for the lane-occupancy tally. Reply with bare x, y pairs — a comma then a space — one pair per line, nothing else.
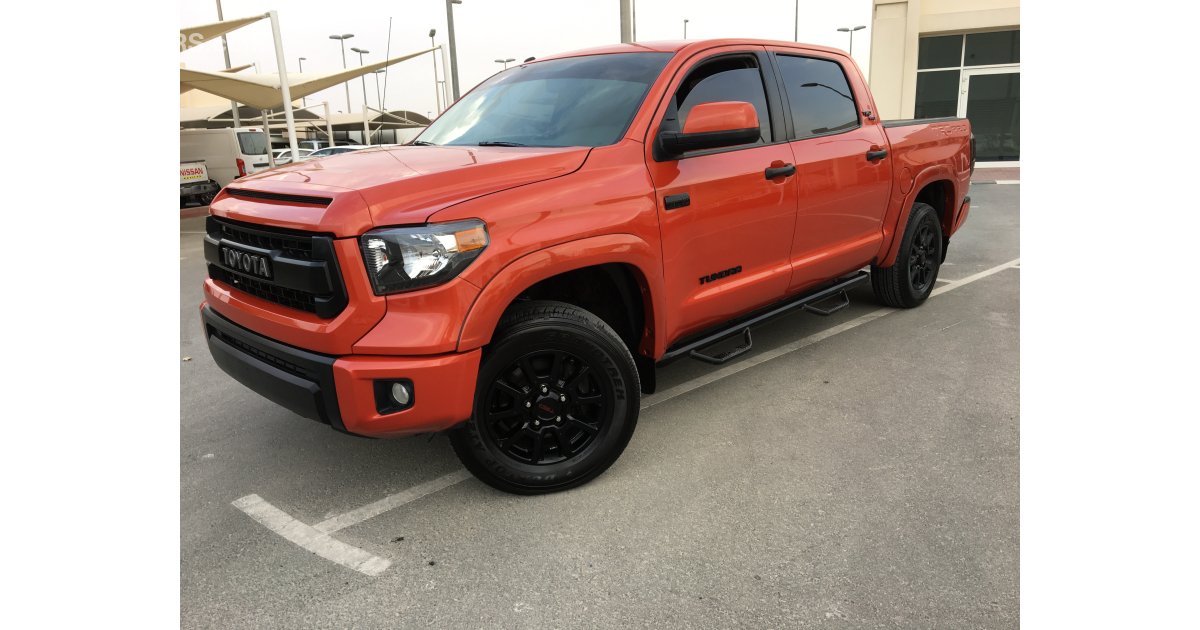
712, 126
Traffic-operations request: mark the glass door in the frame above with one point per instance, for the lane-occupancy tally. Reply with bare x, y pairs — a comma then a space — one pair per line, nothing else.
991, 99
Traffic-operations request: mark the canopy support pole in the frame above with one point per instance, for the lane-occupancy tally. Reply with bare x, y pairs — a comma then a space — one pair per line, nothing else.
445, 83
328, 124
233, 105
283, 85
267, 131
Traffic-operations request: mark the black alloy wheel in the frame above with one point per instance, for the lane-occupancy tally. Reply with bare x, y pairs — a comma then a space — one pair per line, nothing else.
909, 281
923, 255
557, 400
546, 407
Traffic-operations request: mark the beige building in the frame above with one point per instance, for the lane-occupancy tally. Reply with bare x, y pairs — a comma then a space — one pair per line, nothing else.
933, 58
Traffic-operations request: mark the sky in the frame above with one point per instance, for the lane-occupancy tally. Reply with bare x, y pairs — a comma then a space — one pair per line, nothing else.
486, 30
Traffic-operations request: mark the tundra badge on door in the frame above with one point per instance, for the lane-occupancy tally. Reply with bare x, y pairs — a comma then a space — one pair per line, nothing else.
720, 274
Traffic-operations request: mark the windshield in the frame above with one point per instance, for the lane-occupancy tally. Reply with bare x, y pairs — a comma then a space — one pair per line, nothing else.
573, 102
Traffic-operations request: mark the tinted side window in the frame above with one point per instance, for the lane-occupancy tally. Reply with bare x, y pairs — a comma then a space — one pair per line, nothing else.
252, 142
819, 95
725, 79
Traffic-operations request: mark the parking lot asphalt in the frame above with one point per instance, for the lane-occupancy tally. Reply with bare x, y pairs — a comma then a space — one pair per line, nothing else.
853, 471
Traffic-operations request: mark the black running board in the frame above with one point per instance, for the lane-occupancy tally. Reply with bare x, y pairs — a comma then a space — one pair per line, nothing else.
806, 302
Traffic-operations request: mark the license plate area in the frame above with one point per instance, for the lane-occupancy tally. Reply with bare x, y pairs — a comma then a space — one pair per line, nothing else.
246, 262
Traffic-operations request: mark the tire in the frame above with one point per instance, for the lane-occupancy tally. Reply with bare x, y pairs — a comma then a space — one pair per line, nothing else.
908, 282
206, 198
556, 401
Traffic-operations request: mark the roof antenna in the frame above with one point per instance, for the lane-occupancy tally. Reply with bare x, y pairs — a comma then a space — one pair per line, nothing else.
528, 60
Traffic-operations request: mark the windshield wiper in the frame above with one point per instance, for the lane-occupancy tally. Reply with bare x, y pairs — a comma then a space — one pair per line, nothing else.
500, 143
422, 143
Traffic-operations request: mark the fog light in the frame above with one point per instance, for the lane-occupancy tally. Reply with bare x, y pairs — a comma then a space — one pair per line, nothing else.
400, 394
393, 395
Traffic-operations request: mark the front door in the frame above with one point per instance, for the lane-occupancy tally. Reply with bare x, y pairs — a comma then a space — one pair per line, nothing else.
991, 99
726, 228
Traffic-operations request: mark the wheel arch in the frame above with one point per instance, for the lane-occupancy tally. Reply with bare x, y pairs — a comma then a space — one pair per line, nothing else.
620, 264
934, 186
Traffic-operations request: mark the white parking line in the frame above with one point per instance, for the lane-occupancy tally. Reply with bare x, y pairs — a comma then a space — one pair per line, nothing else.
390, 502
310, 538
317, 538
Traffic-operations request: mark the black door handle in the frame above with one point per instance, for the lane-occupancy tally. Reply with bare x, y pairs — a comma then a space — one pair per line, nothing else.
671, 202
780, 171
876, 155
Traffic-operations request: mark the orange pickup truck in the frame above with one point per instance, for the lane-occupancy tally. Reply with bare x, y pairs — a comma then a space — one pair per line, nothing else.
516, 273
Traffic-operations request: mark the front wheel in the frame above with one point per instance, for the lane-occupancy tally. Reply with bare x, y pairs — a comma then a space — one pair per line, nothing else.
909, 281
556, 401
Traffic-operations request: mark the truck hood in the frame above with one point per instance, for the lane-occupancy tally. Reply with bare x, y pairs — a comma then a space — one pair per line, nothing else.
350, 193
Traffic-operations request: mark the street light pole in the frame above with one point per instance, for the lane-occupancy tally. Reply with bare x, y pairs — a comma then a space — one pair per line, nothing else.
851, 31
453, 50
342, 39
437, 95
796, 24
505, 62
303, 99
685, 21
362, 52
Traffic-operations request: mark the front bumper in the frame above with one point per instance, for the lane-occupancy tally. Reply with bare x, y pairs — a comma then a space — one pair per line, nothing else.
340, 391
192, 189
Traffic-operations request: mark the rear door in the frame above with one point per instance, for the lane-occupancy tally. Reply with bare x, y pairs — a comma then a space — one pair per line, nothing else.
843, 173
251, 147
726, 228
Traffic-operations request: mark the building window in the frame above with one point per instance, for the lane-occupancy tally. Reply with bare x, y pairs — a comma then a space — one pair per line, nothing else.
985, 49
937, 94
940, 52
976, 75
973, 49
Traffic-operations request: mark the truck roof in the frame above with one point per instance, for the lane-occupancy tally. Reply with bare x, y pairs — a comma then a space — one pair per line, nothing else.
688, 44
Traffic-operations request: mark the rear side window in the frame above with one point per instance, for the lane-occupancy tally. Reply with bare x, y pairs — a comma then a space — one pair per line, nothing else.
252, 142
819, 95
725, 79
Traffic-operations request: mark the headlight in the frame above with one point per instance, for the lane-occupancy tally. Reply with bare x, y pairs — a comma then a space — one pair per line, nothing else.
403, 259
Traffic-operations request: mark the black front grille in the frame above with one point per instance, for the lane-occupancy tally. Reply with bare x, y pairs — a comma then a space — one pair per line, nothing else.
279, 362
296, 282
292, 246
290, 298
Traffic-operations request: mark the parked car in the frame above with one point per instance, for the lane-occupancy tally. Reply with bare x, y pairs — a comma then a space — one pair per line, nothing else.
227, 153
284, 156
195, 186
516, 274
328, 151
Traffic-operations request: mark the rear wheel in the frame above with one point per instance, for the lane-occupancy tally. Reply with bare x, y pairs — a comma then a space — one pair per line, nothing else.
909, 281
556, 401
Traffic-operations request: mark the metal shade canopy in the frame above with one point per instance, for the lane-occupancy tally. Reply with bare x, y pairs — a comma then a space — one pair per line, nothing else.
186, 88
193, 36
263, 91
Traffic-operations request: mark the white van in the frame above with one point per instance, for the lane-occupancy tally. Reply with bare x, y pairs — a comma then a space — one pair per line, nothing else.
227, 153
